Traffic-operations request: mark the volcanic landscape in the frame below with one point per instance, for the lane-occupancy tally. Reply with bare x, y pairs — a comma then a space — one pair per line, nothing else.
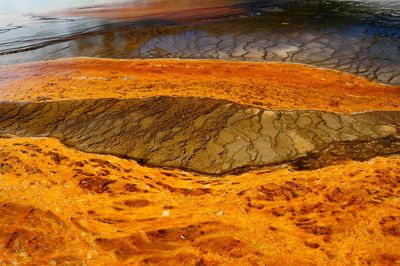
199, 161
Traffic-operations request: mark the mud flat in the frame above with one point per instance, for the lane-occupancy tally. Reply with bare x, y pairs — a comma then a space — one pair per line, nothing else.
204, 135
224, 164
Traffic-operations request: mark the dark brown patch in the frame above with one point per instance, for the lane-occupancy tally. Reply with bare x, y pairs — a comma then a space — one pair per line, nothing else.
131, 188
57, 158
136, 203
311, 245
391, 225
96, 184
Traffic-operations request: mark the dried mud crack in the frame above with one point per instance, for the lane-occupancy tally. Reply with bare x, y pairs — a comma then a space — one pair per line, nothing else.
205, 135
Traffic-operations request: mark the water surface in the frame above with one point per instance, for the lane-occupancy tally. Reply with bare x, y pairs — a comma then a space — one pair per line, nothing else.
357, 36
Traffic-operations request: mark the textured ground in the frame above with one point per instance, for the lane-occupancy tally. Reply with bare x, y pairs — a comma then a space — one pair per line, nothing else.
204, 135
62, 206
263, 85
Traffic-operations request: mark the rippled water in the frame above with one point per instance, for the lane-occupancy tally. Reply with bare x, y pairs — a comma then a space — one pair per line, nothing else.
358, 36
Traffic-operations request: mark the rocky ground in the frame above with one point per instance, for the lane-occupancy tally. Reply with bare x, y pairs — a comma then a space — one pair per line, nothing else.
236, 164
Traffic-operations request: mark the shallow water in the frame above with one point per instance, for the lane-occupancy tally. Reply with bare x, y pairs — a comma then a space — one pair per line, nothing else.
361, 37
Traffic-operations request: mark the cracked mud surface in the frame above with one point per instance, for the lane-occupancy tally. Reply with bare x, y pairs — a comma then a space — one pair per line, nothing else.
204, 135
65, 207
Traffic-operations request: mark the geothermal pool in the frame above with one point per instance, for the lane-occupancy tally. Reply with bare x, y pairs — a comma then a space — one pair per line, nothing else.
200, 132
360, 37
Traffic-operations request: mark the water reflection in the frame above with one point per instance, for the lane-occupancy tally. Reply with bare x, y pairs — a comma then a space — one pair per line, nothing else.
20, 6
361, 37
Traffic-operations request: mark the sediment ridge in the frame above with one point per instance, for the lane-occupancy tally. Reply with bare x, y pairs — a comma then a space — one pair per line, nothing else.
263, 85
205, 135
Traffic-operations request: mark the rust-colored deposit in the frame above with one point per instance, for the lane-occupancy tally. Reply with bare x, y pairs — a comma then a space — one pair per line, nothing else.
60, 206
166, 9
266, 85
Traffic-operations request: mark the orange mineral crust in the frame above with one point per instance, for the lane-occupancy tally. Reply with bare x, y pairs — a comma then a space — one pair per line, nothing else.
166, 9
266, 85
59, 206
